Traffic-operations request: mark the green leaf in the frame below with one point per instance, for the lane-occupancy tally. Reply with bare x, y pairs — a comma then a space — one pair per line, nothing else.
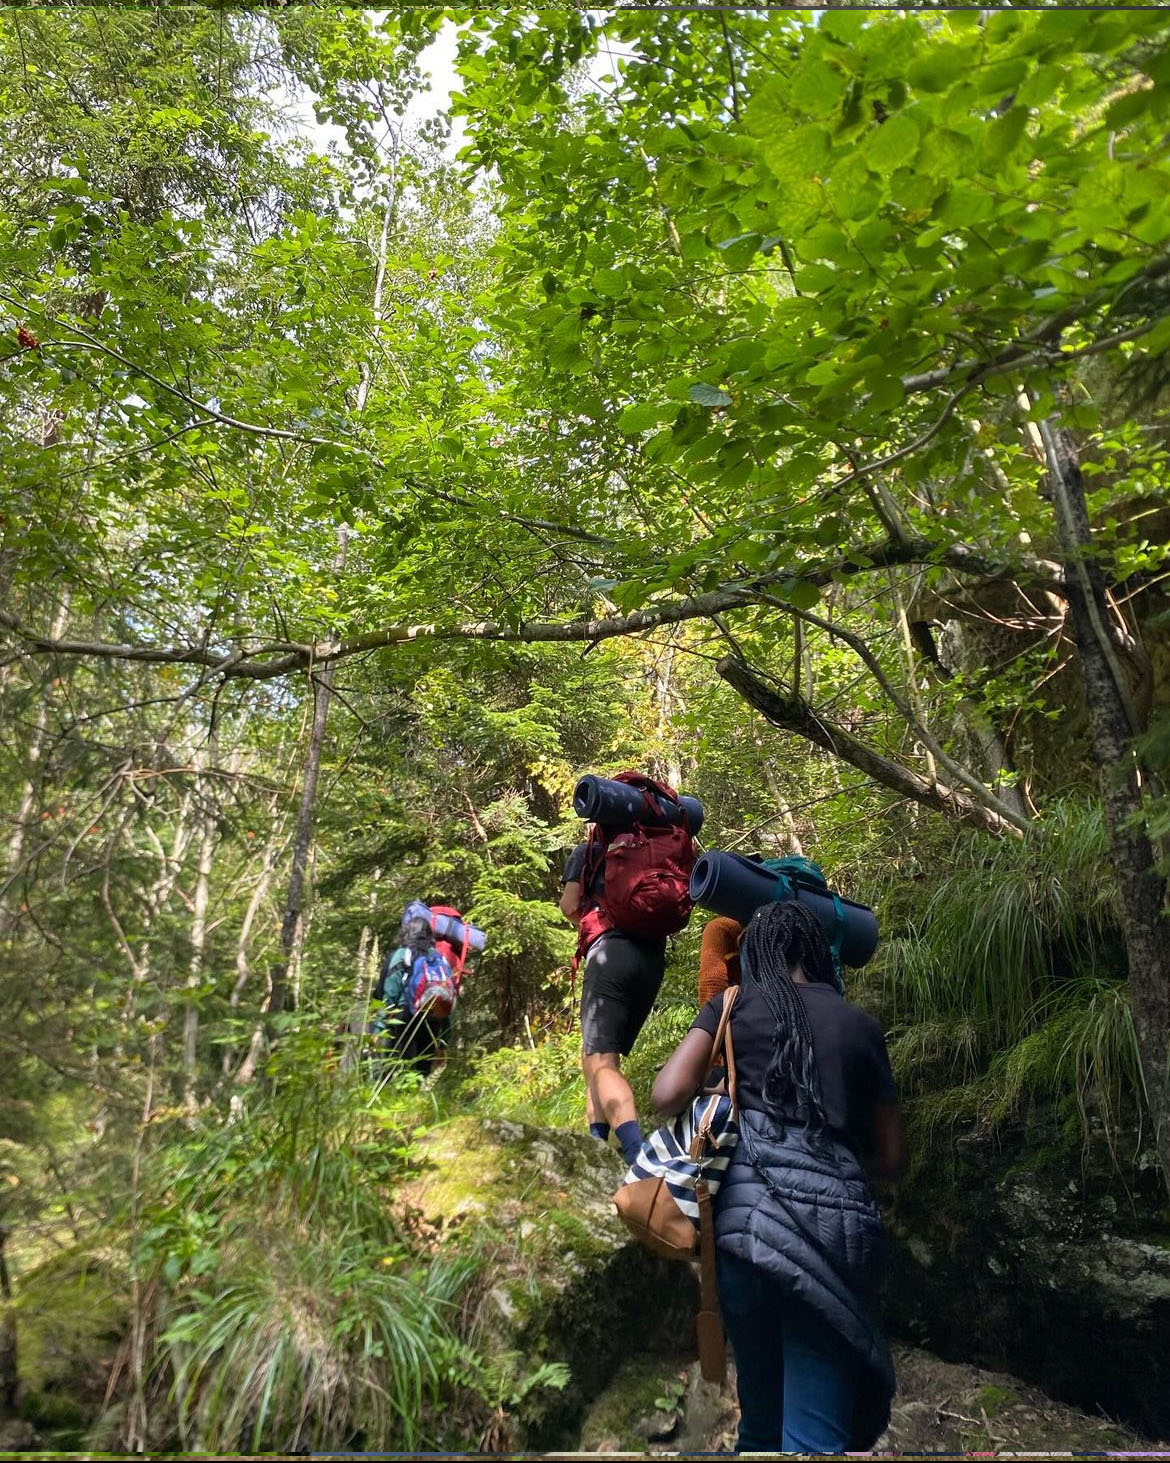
1125, 109
886, 393
740, 250
817, 88
1004, 134
799, 593
707, 395
1001, 77
814, 278
1158, 340
892, 145
939, 67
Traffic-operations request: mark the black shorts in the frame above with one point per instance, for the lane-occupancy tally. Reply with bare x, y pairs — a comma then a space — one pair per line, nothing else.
622, 978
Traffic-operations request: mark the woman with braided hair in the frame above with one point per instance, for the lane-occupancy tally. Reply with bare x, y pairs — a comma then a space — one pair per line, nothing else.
798, 1233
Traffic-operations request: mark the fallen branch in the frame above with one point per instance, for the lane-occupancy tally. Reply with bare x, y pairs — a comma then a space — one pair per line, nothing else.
792, 713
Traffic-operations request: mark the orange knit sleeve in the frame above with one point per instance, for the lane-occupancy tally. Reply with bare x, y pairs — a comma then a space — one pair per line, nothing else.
718, 957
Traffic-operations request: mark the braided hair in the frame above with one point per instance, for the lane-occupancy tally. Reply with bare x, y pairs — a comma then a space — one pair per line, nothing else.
779, 936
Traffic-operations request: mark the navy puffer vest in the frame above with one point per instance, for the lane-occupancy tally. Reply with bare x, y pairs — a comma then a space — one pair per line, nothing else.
809, 1220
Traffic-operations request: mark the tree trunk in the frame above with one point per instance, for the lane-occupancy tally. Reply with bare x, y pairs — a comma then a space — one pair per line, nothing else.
913, 693
792, 837
1145, 926
200, 902
292, 925
36, 746
505, 997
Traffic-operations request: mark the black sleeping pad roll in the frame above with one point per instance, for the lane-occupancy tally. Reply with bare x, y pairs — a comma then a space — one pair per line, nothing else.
731, 885
614, 804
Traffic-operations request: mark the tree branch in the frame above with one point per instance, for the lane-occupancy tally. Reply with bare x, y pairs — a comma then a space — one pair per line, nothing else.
971, 372
794, 714
90, 343
281, 658
960, 774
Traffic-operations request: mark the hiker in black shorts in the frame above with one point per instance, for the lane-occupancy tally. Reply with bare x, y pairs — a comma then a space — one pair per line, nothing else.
622, 975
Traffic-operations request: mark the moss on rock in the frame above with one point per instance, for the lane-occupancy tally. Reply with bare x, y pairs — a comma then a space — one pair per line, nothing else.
642, 1402
567, 1283
943, 1407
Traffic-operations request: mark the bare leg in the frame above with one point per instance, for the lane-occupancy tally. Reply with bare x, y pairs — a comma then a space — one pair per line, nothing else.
609, 1096
590, 1110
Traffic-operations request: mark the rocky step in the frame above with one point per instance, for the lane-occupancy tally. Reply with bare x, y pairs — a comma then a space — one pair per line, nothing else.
655, 1406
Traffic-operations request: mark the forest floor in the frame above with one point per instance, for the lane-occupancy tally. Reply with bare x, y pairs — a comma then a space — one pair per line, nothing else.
941, 1408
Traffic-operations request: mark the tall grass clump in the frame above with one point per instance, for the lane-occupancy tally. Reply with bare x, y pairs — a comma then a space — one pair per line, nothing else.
1011, 986
282, 1305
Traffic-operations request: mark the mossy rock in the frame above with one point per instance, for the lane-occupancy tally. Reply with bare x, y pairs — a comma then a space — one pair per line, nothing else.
567, 1283
1039, 1263
642, 1403
944, 1407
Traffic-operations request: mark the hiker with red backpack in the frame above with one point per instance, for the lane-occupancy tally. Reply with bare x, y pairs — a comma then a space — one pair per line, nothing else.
419, 983
626, 889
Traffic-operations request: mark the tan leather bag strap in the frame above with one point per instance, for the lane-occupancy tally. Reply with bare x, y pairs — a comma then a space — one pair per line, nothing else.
723, 1044
712, 1345
708, 1291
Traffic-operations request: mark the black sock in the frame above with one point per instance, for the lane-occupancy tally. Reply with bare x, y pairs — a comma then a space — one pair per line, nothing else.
629, 1135
600, 1131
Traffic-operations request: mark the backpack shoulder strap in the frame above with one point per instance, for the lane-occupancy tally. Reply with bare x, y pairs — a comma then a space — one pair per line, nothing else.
595, 847
653, 792
465, 943
723, 1044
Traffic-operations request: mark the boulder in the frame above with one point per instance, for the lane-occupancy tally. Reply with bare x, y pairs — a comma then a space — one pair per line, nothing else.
1043, 1264
564, 1283
943, 1407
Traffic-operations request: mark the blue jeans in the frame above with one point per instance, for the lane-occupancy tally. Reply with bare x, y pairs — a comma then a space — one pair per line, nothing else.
796, 1377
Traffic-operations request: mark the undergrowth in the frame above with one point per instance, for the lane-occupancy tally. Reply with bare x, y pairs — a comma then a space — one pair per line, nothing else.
1011, 990
280, 1303
543, 1084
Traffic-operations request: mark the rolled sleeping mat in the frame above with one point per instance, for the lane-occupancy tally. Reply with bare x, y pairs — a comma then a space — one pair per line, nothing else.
616, 804
445, 926
731, 885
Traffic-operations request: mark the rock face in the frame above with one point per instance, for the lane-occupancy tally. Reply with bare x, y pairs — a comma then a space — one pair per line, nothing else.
567, 1284
1011, 1264
1029, 1263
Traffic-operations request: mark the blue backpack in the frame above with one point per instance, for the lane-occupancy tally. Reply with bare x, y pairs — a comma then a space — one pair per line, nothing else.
430, 986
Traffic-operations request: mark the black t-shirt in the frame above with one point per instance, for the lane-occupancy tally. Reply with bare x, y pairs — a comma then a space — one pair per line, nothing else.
575, 867
850, 1049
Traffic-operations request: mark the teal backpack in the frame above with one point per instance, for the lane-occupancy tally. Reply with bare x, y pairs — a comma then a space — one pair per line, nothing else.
793, 873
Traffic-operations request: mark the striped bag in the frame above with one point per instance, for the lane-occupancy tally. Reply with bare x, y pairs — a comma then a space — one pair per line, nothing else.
665, 1197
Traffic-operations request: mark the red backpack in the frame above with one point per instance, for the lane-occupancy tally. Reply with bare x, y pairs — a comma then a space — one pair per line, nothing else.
455, 957
647, 871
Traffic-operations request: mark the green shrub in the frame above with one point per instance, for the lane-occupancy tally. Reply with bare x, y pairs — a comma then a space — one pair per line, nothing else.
287, 1307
